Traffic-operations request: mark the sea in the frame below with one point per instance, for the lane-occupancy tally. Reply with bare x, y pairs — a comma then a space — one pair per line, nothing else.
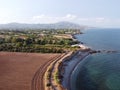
100, 71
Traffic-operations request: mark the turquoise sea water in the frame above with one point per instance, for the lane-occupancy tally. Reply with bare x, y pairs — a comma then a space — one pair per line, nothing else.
99, 71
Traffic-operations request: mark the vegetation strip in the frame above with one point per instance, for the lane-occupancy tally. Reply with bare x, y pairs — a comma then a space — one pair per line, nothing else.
38, 81
40, 41
53, 82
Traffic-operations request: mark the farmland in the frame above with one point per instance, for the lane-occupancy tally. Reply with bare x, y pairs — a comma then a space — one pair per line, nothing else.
17, 70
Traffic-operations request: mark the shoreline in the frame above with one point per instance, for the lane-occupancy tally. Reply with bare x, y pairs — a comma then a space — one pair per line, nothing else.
66, 66
72, 62
52, 77
69, 66
59, 72
75, 67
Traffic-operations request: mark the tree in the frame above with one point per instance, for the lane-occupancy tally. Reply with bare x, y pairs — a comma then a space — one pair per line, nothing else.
19, 44
14, 40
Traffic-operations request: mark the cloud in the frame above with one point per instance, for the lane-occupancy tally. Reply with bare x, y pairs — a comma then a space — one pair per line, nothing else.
100, 20
50, 19
97, 20
69, 17
90, 21
39, 17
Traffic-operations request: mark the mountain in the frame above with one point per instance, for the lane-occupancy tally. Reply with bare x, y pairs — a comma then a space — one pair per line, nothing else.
59, 25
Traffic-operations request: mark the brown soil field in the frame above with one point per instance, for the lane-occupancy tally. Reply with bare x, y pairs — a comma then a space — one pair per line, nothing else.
18, 69
67, 36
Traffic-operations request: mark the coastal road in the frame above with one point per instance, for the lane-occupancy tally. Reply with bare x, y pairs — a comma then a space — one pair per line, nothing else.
55, 66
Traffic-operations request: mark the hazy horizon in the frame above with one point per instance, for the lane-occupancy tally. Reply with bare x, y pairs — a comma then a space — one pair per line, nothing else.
103, 13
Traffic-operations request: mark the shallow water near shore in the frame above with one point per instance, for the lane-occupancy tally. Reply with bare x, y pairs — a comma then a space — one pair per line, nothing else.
99, 71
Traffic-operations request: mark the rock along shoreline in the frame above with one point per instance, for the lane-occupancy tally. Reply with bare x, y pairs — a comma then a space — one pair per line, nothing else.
69, 65
59, 72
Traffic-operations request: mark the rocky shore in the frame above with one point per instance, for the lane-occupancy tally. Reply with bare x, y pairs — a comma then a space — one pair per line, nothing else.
68, 67
60, 71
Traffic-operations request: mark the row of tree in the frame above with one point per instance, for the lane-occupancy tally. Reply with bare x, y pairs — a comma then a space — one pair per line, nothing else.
32, 48
42, 41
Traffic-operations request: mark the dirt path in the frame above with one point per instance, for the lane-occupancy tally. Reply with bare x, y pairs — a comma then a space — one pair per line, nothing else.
52, 73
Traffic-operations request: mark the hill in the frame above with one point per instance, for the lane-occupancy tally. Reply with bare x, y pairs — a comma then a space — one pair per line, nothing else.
22, 26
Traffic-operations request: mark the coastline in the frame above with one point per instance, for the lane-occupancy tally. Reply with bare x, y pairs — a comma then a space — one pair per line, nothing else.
74, 70
52, 78
64, 66
58, 74
70, 64
69, 67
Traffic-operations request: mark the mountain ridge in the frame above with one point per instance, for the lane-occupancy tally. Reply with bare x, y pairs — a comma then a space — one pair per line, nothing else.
58, 25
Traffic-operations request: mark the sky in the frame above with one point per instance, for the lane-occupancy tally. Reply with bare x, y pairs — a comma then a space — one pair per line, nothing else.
96, 13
